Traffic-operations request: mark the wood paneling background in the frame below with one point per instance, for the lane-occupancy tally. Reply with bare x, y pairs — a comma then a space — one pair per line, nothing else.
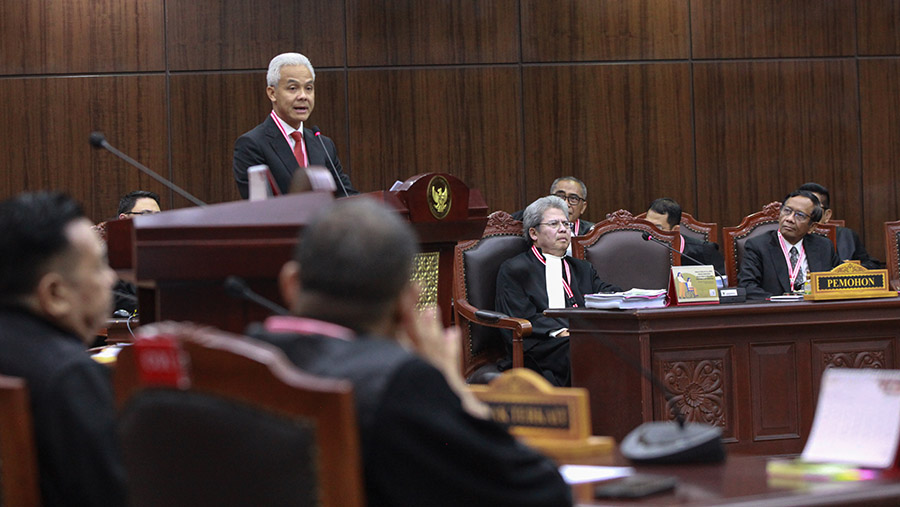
724, 105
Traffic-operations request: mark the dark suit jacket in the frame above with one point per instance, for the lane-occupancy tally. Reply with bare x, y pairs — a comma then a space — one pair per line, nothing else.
266, 145
72, 411
419, 446
764, 272
522, 293
705, 252
849, 247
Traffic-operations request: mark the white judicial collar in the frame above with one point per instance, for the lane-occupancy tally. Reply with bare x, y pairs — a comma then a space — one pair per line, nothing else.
553, 273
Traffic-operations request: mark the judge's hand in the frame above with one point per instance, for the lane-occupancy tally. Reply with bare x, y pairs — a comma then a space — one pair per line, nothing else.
443, 349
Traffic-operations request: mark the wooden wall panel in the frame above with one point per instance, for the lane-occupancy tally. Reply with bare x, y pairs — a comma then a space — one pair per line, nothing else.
210, 111
775, 398
584, 30
423, 32
81, 36
462, 121
246, 34
879, 81
625, 130
878, 26
47, 147
763, 128
772, 28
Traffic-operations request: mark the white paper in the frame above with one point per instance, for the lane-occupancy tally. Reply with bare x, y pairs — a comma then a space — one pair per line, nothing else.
576, 474
857, 419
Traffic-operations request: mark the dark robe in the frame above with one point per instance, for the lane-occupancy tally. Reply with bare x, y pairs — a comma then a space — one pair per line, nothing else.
522, 293
704, 251
850, 247
419, 446
764, 271
72, 411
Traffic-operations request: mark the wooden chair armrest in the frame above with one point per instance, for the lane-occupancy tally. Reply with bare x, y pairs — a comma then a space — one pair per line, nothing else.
520, 327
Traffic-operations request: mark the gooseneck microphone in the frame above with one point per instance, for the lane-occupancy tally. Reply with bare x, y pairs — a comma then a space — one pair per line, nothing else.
237, 288
98, 140
318, 134
646, 236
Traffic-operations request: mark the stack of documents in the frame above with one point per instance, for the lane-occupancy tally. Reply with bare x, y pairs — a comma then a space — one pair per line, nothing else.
634, 298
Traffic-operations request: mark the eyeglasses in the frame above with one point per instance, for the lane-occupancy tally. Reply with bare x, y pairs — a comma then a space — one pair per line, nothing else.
572, 199
145, 212
554, 224
799, 215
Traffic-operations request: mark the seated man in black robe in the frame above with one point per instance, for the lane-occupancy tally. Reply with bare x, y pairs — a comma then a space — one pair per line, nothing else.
545, 277
848, 245
665, 214
54, 296
425, 439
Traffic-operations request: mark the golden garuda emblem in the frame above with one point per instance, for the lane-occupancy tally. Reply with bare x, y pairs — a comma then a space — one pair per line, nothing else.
439, 197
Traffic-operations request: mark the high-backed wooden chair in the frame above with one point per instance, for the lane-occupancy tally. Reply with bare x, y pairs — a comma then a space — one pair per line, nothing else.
207, 418
19, 475
691, 227
754, 225
892, 251
838, 223
475, 267
617, 250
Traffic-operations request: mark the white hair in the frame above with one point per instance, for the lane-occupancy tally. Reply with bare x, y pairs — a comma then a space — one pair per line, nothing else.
274, 73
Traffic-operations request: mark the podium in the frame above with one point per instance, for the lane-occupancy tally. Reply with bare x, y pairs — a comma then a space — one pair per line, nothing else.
180, 258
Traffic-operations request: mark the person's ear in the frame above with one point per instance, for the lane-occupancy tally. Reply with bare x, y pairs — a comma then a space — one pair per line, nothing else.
676, 228
54, 296
270, 91
289, 283
532, 233
406, 311
826, 216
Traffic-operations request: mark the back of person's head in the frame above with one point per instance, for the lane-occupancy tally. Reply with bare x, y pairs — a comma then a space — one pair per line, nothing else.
128, 201
534, 213
573, 179
812, 186
355, 259
32, 235
274, 73
668, 207
817, 211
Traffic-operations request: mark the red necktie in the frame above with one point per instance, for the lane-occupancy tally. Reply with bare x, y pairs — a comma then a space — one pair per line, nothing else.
299, 153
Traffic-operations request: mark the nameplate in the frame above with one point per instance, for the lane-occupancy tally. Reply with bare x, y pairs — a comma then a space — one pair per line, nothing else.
849, 281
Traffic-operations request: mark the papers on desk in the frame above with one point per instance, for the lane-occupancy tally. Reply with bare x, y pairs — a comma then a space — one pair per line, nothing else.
577, 474
857, 419
634, 298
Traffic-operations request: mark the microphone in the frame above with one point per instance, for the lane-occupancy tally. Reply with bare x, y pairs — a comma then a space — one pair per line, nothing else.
237, 288
726, 295
663, 441
98, 140
318, 134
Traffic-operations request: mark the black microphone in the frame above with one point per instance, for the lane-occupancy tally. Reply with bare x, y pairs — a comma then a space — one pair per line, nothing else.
318, 134
665, 442
98, 140
726, 295
237, 288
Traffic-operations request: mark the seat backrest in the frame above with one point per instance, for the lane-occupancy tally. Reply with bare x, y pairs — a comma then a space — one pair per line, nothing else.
476, 264
892, 250
753, 225
620, 255
693, 228
19, 475
207, 418
838, 223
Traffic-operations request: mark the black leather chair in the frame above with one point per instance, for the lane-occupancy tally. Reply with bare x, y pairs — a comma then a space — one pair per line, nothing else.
476, 264
240, 425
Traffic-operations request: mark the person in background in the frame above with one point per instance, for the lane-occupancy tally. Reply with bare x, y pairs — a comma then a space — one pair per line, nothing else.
139, 202
849, 246
665, 214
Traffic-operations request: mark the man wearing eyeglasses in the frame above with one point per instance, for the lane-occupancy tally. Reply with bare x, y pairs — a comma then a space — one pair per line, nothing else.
139, 202
545, 277
779, 262
574, 192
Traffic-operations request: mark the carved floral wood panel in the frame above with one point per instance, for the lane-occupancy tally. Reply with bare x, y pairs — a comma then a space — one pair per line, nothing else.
701, 384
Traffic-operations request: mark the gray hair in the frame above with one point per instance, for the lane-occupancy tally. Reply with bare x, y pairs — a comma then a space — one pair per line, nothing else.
573, 179
274, 73
534, 213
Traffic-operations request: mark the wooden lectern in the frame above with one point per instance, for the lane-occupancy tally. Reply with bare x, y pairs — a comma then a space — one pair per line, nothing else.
180, 258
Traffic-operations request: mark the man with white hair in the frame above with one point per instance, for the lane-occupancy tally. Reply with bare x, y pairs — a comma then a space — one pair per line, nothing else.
282, 142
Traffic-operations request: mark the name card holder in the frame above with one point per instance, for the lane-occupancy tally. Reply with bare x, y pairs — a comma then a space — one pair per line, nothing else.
554, 420
849, 281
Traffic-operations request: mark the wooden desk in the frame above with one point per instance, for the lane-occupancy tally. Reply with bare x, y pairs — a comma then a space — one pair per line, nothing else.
742, 480
753, 369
